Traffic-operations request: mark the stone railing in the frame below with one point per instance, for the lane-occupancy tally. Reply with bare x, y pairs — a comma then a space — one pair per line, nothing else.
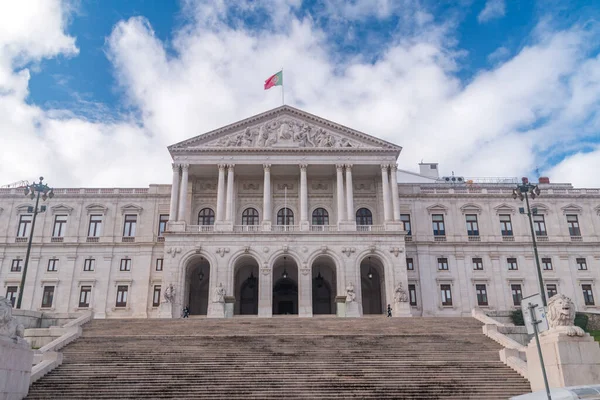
370, 228
285, 228
47, 357
247, 228
323, 228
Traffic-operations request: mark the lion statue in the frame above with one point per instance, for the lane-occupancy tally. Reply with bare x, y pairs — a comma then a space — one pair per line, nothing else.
8, 326
561, 316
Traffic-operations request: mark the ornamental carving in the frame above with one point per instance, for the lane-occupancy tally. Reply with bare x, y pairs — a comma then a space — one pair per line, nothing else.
561, 316
9, 327
285, 132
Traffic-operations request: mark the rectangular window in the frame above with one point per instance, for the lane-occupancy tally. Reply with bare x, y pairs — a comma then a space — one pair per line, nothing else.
505, 225
122, 296
409, 264
17, 265
48, 296
581, 264
472, 226
438, 225
24, 225
478, 264
539, 225
89, 264
481, 291
405, 218
517, 295
84, 296
443, 264
60, 223
11, 294
156, 296
129, 225
546, 264
95, 228
573, 224
412, 295
159, 264
588, 295
512, 264
551, 289
162, 224
446, 293
53, 264
125, 264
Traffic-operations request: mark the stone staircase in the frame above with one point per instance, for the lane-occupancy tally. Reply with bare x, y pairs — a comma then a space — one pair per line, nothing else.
282, 358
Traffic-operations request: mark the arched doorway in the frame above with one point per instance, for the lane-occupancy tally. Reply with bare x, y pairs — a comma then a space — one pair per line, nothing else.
323, 286
285, 287
246, 286
197, 286
372, 280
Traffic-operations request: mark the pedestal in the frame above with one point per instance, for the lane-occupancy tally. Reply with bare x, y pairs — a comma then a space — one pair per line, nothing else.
176, 226
223, 226
401, 310
340, 303
569, 360
229, 305
347, 226
16, 360
304, 226
165, 310
352, 309
216, 310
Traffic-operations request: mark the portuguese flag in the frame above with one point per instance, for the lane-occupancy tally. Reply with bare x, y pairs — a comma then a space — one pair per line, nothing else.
275, 80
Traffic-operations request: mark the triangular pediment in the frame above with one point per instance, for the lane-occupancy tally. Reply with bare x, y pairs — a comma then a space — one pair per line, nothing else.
504, 209
471, 208
572, 209
282, 128
61, 209
437, 208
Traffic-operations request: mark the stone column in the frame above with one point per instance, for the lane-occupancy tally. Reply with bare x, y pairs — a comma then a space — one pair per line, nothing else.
229, 210
304, 226
267, 197
183, 192
174, 193
340, 193
221, 193
305, 292
265, 292
349, 193
386, 193
395, 198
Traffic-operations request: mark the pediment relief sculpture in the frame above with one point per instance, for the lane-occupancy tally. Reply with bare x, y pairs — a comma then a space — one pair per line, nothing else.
285, 132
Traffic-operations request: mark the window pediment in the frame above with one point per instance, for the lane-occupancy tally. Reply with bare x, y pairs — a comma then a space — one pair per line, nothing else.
542, 208
471, 208
96, 209
23, 209
437, 209
572, 209
131, 208
61, 209
504, 209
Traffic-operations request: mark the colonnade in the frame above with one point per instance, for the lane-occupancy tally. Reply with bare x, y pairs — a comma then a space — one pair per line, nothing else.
225, 194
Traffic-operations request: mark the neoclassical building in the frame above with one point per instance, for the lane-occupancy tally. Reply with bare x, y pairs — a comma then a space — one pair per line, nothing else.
289, 213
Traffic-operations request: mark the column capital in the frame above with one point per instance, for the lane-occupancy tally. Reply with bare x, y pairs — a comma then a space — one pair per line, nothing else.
267, 167
394, 167
185, 165
230, 166
222, 166
303, 166
339, 166
175, 166
384, 167
348, 166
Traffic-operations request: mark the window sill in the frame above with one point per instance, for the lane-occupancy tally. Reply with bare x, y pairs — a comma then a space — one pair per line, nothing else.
46, 309
126, 308
83, 308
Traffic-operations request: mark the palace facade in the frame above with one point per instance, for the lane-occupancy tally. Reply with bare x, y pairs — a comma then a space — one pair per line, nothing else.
286, 211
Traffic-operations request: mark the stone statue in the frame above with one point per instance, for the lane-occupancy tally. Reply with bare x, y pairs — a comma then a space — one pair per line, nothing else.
9, 327
219, 294
350, 295
561, 316
400, 295
170, 294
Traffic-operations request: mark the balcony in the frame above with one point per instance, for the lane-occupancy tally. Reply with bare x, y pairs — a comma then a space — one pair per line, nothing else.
474, 238
408, 238
128, 239
56, 239
20, 240
92, 239
160, 239
199, 228
508, 238
285, 228
323, 228
576, 239
439, 238
542, 238
370, 228
247, 228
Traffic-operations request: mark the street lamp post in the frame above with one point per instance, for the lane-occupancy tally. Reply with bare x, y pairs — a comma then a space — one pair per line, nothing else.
35, 190
523, 191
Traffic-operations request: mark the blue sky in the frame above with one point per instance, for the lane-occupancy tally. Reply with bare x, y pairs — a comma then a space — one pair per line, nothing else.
100, 88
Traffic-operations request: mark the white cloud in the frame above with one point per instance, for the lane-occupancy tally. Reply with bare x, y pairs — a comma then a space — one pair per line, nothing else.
580, 167
493, 9
502, 123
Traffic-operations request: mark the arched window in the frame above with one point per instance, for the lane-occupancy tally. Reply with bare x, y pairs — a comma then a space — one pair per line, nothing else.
285, 216
206, 216
320, 217
364, 217
250, 216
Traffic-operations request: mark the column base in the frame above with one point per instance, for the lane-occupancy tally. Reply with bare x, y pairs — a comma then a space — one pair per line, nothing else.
223, 226
165, 310
347, 226
340, 303
229, 305
352, 310
216, 310
176, 226
304, 226
266, 226
401, 310
264, 312
394, 226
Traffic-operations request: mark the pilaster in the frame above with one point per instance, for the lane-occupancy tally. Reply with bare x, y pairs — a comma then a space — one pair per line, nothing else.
266, 222
304, 225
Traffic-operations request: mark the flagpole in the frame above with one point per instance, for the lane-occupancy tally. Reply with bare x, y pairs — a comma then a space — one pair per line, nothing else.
282, 98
